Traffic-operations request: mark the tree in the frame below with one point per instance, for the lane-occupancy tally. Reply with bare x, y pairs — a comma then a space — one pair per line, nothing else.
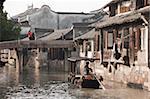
9, 30
1, 5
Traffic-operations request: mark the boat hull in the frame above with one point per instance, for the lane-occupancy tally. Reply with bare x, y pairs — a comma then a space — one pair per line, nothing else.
90, 84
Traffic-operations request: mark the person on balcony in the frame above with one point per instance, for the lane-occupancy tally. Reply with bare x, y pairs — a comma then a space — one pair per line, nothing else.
31, 35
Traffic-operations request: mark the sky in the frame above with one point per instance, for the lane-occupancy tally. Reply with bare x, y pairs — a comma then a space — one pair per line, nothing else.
14, 7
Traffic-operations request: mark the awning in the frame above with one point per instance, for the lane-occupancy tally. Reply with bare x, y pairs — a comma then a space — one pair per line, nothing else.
75, 59
56, 34
127, 17
117, 20
88, 35
114, 61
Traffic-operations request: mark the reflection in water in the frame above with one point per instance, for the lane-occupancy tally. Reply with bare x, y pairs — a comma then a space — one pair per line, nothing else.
35, 83
37, 72
51, 90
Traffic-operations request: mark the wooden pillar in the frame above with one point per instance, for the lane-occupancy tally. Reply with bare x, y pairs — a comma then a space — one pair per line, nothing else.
145, 2
133, 5
20, 60
148, 1
48, 58
114, 35
66, 63
99, 39
102, 46
25, 56
0, 58
149, 42
106, 40
131, 46
9, 55
58, 21
0, 54
122, 39
96, 42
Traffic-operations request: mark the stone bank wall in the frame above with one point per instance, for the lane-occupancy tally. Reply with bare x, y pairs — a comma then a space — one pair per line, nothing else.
139, 75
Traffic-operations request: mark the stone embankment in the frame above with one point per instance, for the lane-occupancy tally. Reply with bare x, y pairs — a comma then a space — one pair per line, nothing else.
135, 76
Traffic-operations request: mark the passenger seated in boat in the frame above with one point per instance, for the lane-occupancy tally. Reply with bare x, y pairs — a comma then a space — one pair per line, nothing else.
87, 72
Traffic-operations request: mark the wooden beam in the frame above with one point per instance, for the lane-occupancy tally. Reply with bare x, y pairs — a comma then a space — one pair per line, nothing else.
102, 45
131, 46
137, 39
37, 44
106, 40
115, 35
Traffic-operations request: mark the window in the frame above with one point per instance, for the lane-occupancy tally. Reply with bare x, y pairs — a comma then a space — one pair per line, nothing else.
125, 6
139, 4
126, 38
119, 33
113, 9
110, 40
89, 46
104, 40
97, 43
56, 53
44, 49
143, 38
82, 48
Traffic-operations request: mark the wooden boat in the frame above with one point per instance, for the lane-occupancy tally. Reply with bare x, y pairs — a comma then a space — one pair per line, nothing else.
90, 84
2, 63
87, 81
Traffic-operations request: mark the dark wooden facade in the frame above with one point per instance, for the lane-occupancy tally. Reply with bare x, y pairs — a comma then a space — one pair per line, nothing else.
149, 43
128, 31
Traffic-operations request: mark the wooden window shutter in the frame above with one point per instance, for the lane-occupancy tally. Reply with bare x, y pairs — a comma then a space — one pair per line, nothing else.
95, 42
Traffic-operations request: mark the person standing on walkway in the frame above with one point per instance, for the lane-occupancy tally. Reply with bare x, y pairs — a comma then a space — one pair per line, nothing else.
31, 35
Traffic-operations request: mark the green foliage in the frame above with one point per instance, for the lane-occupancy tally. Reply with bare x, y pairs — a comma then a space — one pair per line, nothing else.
9, 30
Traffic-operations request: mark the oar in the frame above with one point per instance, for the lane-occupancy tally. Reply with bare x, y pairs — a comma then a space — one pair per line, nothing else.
99, 82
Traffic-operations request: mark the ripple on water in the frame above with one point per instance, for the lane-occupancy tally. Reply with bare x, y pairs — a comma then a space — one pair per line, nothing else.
51, 90
64, 90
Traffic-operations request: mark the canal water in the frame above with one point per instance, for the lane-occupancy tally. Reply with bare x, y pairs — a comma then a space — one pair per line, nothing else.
39, 83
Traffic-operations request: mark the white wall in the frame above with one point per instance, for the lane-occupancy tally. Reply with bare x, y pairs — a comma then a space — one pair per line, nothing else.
143, 53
